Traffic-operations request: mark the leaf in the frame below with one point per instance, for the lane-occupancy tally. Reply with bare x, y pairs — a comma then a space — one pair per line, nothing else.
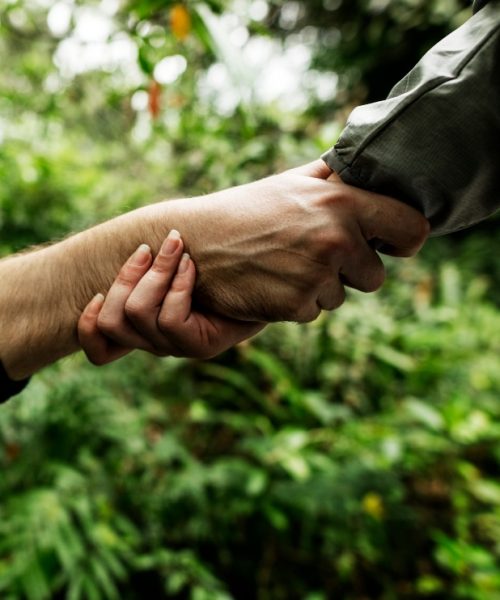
424, 413
142, 56
154, 99
486, 491
277, 518
34, 581
75, 587
394, 358
325, 412
216, 38
256, 483
103, 578
180, 21
428, 585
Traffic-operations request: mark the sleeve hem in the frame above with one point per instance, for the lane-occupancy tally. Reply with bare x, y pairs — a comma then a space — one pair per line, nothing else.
8, 387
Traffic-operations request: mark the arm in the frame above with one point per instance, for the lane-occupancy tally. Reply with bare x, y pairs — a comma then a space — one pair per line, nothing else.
43, 292
278, 249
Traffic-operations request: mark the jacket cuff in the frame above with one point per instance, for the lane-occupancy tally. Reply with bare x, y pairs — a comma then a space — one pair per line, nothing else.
433, 143
8, 387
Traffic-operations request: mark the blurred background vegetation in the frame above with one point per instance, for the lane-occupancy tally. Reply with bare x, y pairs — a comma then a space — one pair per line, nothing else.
354, 458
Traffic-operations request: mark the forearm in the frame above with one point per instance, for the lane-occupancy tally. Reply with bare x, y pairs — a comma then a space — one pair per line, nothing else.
268, 251
43, 292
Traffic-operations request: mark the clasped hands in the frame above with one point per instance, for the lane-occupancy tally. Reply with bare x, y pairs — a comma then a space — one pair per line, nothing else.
279, 249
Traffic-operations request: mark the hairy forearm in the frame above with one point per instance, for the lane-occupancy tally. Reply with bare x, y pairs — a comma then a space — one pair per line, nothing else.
43, 292
278, 249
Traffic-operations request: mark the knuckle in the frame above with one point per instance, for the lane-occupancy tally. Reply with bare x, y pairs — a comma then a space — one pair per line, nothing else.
127, 275
342, 241
163, 264
303, 310
335, 300
178, 284
309, 314
106, 323
134, 309
376, 279
339, 298
327, 278
324, 242
369, 277
166, 323
344, 196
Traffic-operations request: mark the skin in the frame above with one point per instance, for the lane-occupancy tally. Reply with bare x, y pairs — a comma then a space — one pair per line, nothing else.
291, 242
281, 248
158, 295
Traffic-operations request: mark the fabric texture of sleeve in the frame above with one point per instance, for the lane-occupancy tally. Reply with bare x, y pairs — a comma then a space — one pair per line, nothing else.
9, 388
435, 142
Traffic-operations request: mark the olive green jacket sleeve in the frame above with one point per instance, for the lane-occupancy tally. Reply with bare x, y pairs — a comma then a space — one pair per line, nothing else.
9, 388
435, 141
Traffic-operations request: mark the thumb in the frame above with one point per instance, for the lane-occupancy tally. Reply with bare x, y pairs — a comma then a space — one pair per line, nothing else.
393, 226
317, 168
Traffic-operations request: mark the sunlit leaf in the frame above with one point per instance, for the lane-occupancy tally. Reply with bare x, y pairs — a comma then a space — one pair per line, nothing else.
180, 21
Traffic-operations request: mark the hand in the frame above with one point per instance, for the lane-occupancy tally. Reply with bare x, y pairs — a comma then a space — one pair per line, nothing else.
149, 307
284, 247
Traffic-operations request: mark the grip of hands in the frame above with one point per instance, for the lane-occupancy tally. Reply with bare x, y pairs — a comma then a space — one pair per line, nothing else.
291, 242
279, 249
149, 307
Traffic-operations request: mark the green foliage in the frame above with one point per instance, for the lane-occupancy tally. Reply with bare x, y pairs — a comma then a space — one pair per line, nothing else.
353, 458
352, 464
369, 43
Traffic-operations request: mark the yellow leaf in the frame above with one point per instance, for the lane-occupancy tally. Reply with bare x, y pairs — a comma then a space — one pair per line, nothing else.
373, 505
180, 21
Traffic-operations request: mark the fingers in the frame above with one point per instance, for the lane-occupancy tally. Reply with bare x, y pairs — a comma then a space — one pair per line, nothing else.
129, 314
145, 302
228, 333
361, 267
397, 228
394, 227
194, 334
355, 264
112, 319
157, 297
332, 297
176, 307
401, 228
96, 346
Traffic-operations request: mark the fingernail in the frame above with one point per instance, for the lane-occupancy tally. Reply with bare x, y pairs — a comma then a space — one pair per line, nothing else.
184, 264
141, 255
171, 242
96, 303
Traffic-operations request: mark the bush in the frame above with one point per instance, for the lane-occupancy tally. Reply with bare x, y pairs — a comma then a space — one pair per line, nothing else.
355, 457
